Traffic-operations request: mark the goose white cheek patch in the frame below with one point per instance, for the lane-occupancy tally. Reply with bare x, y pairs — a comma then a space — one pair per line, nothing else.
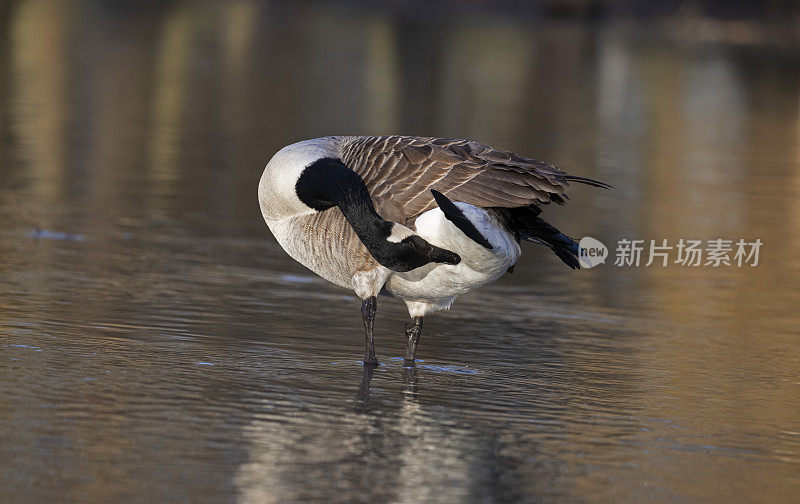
399, 233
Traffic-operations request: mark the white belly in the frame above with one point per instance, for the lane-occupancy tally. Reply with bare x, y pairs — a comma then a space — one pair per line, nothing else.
438, 284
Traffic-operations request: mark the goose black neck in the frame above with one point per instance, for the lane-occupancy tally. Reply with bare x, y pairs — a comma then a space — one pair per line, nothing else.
328, 182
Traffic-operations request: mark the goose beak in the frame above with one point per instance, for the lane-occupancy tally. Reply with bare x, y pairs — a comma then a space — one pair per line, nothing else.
444, 256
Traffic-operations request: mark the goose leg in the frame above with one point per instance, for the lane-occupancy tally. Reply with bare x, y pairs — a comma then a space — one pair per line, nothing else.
368, 308
413, 331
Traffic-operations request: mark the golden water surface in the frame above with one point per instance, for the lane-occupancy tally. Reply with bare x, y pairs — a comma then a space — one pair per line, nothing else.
156, 345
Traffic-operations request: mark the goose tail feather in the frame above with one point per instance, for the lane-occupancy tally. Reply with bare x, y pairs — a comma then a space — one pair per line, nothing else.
530, 227
588, 181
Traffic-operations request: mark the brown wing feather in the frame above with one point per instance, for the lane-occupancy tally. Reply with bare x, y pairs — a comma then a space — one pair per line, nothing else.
400, 171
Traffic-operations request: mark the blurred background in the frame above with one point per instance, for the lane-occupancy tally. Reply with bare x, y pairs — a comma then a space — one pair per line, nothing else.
157, 345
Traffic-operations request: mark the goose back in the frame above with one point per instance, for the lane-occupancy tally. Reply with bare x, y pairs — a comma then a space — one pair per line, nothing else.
400, 171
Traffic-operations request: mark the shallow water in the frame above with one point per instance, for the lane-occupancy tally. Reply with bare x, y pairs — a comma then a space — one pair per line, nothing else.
156, 345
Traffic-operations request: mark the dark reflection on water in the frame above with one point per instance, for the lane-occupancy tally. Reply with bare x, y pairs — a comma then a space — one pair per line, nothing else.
157, 345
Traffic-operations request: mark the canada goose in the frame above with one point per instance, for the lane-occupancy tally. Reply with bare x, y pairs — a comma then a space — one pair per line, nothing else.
420, 219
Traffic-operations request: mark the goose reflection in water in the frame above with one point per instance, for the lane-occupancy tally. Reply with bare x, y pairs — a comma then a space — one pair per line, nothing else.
385, 449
